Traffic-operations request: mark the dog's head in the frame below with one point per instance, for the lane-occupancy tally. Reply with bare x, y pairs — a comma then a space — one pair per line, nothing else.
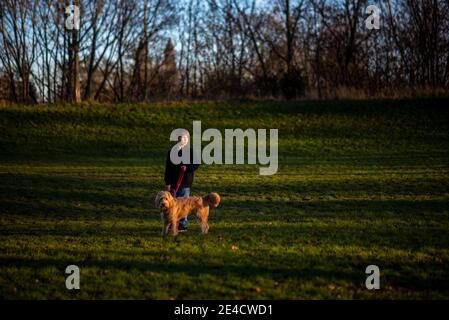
213, 199
164, 201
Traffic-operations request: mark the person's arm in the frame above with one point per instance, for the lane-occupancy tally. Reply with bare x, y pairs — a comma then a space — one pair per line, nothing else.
192, 167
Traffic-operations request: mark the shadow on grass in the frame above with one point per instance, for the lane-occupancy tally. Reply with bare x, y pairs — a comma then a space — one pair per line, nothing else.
314, 269
67, 194
319, 232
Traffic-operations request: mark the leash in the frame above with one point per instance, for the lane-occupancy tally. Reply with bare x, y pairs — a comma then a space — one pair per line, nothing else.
182, 170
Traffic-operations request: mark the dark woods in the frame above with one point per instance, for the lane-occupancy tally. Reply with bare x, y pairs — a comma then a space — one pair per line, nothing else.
142, 50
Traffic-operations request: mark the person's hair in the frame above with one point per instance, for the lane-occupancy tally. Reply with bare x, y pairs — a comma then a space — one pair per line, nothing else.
182, 132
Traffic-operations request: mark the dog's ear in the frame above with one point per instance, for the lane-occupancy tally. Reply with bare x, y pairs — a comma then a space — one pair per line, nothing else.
170, 198
158, 199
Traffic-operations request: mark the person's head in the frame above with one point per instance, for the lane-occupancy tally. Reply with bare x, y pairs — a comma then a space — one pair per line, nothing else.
183, 137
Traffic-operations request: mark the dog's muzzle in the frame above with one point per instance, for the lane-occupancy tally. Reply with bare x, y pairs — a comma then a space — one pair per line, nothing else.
162, 206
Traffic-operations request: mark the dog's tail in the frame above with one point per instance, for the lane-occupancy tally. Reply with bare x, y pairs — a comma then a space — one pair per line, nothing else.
213, 199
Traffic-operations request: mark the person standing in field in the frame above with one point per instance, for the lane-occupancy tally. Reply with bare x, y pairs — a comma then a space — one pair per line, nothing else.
183, 173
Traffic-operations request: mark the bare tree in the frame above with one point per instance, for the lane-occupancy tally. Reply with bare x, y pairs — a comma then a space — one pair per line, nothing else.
220, 49
18, 40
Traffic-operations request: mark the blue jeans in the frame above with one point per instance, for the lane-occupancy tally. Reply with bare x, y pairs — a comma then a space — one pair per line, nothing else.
182, 192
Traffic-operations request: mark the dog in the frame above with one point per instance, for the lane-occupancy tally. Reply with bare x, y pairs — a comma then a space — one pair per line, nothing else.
174, 209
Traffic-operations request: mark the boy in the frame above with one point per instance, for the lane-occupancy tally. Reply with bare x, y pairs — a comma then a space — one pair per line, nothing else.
172, 173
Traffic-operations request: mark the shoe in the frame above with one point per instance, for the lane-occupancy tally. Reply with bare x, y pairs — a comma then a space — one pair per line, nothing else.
182, 228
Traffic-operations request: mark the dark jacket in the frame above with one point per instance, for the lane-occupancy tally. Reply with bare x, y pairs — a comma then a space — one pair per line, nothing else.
172, 171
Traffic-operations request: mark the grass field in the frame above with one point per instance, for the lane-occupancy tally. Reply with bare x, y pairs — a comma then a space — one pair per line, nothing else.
359, 183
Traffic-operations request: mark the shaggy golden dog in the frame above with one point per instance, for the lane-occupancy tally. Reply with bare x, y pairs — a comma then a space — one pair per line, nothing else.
174, 209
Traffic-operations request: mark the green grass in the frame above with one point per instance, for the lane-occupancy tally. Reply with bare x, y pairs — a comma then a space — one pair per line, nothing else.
359, 183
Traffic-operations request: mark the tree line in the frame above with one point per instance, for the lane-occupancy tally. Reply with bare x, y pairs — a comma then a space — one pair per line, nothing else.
142, 50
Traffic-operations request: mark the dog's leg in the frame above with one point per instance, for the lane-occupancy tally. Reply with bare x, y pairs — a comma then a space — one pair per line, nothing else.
205, 227
174, 226
203, 216
165, 224
165, 228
